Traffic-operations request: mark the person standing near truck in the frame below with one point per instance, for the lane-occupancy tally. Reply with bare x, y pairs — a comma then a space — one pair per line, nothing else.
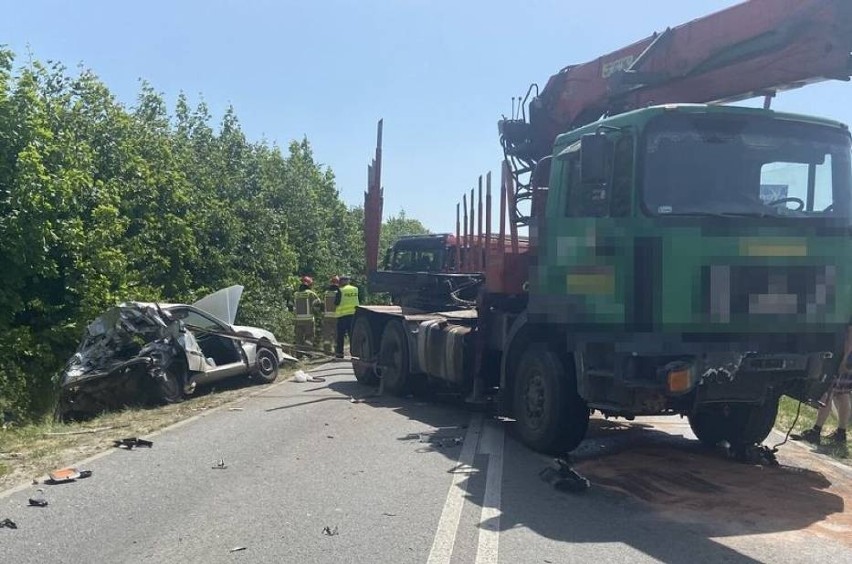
329, 321
305, 300
841, 394
345, 304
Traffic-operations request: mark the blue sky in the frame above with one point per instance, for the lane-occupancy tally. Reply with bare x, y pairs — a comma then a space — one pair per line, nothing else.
440, 73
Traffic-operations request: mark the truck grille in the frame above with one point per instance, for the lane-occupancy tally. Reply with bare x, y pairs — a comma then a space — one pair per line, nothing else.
800, 291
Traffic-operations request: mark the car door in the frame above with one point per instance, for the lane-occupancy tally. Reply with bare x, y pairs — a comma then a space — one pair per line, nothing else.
223, 355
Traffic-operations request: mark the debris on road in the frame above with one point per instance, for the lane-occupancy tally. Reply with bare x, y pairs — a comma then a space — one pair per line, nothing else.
38, 499
386, 514
364, 399
329, 531
63, 475
756, 454
237, 549
236, 409
564, 478
131, 442
220, 465
8, 523
435, 439
301, 377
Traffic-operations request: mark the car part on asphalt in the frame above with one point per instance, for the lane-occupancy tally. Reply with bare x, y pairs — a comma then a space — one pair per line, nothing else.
563, 477
131, 442
8, 523
63, 475
38, 499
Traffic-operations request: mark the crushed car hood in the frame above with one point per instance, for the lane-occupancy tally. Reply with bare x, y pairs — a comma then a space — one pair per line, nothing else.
132, 332
146, 333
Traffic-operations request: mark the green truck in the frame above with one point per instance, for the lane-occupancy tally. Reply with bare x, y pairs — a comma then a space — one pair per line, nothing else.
683, 258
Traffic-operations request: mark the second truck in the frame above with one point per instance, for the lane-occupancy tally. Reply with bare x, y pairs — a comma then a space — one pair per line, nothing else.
684, 257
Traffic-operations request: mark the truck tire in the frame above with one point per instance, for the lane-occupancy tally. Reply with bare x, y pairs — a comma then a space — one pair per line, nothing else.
550, 415
739, 425
393, 360
363, 348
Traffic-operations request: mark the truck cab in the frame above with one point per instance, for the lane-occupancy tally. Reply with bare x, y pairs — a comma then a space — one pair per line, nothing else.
422, 253
693, 260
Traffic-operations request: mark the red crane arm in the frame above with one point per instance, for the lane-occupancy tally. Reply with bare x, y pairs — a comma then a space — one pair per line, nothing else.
753, 48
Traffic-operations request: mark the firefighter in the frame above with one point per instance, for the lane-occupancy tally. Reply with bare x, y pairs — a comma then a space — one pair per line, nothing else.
345, 303
329, 322
306, 300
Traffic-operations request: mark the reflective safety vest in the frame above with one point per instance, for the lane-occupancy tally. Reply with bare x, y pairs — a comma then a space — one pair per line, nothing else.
330, 308
303, 300
348, 300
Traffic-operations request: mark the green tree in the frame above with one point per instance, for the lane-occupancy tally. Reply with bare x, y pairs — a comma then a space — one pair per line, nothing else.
102, 203
395, 227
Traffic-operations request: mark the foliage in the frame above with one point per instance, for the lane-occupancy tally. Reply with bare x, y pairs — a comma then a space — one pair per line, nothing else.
102, 203
395, 227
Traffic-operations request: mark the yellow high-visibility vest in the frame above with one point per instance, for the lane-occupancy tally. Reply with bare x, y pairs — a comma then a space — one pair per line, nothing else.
348, 300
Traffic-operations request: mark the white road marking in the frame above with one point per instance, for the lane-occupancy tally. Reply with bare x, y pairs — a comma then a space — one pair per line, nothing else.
489, 522
445, 536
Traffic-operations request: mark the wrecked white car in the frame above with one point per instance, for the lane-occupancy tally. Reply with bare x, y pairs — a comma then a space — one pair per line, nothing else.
139, 352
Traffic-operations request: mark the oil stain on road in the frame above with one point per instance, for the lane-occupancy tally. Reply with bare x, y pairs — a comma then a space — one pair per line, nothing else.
683, 481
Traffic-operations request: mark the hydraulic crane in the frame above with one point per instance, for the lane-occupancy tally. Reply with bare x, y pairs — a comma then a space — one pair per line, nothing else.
756, 48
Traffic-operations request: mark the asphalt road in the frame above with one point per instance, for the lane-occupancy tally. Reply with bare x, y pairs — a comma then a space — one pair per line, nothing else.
401, 480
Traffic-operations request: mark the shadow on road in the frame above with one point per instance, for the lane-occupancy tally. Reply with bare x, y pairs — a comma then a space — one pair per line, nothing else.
661, 493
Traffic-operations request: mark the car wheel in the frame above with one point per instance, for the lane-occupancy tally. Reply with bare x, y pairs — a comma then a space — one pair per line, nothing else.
169, 386
266, 369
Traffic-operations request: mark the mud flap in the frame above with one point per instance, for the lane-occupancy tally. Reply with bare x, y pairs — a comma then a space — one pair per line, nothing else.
821, 373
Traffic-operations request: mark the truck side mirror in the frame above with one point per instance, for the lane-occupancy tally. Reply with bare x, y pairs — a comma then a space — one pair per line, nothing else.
541, 173
594, 150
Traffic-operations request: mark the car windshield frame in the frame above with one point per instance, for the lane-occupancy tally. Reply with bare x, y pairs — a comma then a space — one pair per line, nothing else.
748, 144
215, 324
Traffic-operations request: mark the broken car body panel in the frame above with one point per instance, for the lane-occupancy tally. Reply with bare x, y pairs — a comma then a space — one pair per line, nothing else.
127, 349
222, 304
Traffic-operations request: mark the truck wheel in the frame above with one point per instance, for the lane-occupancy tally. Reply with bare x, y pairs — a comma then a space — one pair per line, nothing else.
550, 415
363, 348
740, 425
393, 359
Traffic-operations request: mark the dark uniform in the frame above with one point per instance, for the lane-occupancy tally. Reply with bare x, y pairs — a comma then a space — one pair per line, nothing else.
345, 303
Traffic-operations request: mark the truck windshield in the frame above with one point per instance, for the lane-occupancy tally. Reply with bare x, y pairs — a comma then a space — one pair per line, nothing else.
731, 165
416, 260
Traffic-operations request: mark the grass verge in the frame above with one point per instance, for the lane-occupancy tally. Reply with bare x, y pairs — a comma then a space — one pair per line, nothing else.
807, 416
30, 451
